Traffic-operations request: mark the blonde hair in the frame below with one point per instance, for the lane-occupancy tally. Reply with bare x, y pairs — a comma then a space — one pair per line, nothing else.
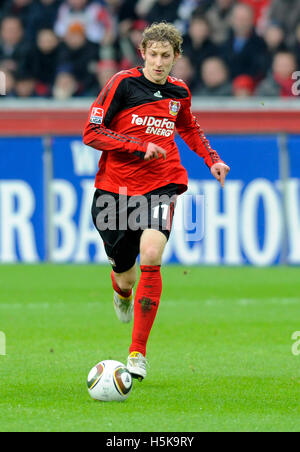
162, 32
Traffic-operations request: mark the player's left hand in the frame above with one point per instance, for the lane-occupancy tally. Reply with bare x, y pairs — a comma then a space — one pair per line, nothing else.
220, 171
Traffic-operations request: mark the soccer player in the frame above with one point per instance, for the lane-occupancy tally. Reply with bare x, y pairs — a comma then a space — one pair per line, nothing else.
133, 122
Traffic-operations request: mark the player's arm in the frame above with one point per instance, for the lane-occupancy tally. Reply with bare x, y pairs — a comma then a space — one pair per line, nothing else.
97, 133
191, 132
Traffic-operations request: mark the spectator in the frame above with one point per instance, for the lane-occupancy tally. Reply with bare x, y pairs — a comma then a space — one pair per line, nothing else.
22, 9
286, 14
296, 47
80, 56
219, 19
260, 9
129, 46
244, 51
44, 60
243, 86
184, 70
279, 82
25, 85
104, 71
43, 16
198, 7
93, 16
163, 10
142, 7
197, 44
127, 14
187, 9
215, 79
65, 86
275, 39
13, 49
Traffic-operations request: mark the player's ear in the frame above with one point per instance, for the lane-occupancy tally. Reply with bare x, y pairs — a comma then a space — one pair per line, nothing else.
142, 53
176, 57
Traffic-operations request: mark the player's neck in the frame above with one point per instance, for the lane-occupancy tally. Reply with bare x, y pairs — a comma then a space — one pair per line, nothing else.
148, 77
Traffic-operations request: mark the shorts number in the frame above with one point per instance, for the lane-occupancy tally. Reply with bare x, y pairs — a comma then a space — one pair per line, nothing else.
165, 208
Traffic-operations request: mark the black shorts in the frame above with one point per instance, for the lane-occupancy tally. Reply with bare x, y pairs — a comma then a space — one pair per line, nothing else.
121, 220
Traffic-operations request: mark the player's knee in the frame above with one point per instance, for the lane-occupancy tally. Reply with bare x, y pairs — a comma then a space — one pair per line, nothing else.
125, 284
150, 255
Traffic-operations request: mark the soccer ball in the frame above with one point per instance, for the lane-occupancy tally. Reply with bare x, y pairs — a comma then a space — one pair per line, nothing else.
109, 380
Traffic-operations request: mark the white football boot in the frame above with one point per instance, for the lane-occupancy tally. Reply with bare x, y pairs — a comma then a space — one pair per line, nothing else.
123, 307
136, 364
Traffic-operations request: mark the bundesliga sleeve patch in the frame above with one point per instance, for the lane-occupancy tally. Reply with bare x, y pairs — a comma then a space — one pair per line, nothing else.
97, 115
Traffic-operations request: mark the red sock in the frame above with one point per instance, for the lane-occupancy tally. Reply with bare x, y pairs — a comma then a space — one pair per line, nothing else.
145, 306
123, 293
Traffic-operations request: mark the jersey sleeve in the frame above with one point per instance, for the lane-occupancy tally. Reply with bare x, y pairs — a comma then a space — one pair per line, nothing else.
97, 133
188, 128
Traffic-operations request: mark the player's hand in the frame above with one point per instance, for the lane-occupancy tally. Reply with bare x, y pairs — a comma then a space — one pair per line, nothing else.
154, 151
220, 171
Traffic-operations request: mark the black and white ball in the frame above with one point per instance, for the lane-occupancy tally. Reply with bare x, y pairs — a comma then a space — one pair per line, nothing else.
109, 380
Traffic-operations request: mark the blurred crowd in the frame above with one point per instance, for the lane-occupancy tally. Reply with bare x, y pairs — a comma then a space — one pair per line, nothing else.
70, 48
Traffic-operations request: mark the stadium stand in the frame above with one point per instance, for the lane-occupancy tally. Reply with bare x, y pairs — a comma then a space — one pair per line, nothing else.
69, 48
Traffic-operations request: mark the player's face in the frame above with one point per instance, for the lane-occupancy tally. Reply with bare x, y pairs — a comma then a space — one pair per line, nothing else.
159, 59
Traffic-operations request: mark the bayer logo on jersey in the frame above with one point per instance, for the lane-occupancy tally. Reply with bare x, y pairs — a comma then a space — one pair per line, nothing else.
174, 107
97, 115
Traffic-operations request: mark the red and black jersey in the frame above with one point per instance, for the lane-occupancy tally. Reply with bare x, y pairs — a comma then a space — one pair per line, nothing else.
132, 111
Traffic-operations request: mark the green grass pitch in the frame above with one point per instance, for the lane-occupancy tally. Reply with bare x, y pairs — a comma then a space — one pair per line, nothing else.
220, 351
